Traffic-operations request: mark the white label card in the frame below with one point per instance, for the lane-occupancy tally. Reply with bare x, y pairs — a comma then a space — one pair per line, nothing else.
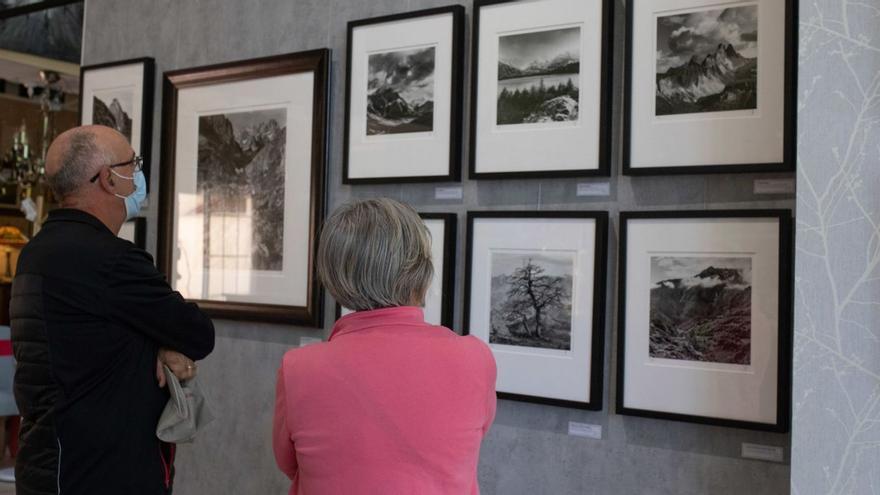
448, 193
763, 452
774, 186
585, 430
594, 189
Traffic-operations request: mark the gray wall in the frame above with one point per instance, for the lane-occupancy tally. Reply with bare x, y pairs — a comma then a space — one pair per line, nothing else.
528, 450
836, 436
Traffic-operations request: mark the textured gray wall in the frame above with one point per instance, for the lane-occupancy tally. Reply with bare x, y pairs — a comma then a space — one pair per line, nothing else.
836, 436
528, 450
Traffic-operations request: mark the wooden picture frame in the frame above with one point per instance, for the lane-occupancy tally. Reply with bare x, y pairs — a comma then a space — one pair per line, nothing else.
267, 86
722, 363
587, 251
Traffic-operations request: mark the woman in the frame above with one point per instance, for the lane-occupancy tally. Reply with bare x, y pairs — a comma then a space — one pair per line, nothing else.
389, 404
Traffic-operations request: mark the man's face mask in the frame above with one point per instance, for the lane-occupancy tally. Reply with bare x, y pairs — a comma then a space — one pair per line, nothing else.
134, 200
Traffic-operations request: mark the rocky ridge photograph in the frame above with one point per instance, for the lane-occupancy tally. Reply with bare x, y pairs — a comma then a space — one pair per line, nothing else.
707, 61
400, 91
701, 309
116, 114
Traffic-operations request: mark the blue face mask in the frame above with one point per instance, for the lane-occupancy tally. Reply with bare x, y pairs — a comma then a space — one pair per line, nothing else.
134, 200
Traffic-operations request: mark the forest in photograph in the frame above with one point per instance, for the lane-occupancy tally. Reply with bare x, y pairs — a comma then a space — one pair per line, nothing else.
539, 77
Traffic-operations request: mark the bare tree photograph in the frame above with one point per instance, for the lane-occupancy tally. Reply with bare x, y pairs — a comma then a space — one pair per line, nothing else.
113, 109
707, 61
701, 309
531, 299
539, 76
400, 91
241, 160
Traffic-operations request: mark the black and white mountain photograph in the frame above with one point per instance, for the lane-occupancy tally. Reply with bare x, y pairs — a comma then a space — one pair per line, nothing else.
113, 109
241, 161
400, 91
701, 309
707, 61
539, 76
531, 299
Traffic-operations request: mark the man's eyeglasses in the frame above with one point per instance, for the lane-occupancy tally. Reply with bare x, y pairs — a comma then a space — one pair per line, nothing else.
136, 161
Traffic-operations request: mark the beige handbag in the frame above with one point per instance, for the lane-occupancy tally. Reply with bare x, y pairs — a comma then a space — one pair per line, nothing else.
186, 413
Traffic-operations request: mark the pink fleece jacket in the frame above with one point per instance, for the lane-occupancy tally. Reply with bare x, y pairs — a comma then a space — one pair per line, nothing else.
389, 405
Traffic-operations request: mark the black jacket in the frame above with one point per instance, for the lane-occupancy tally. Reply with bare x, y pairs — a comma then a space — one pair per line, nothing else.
89, 313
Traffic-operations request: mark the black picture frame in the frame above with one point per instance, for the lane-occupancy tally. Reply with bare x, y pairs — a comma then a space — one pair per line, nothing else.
450, 230
316, 61
149, 69
597, 357
789, 160
456, 100
784, 344
605, 112
140, 232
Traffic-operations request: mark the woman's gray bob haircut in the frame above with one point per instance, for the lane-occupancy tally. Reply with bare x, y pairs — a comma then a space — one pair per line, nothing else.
375, 253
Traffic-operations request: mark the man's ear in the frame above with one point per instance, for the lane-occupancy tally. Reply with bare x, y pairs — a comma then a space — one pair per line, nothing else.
105, 178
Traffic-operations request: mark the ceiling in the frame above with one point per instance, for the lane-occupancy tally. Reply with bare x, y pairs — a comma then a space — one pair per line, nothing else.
25, 70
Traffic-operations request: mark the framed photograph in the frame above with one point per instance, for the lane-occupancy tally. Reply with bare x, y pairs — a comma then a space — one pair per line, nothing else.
438, 300
244, 159
704, 320
119, 95
535, 293
541, 89
403, 97
135, 231
710, 87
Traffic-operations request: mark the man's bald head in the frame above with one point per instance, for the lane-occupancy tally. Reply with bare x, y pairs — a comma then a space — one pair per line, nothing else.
79, 153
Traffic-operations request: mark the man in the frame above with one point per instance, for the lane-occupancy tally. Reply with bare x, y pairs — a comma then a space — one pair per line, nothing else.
92, 322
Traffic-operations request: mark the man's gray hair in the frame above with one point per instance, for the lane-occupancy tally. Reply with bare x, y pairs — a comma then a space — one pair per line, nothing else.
375, 253
78, 162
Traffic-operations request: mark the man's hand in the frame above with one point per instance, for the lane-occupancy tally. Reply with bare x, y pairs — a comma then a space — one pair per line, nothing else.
182, 367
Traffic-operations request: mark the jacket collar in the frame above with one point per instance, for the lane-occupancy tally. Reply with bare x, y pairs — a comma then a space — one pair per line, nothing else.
362, 320
74, 215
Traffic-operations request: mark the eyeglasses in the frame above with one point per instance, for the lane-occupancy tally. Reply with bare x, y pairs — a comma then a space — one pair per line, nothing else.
136, 161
